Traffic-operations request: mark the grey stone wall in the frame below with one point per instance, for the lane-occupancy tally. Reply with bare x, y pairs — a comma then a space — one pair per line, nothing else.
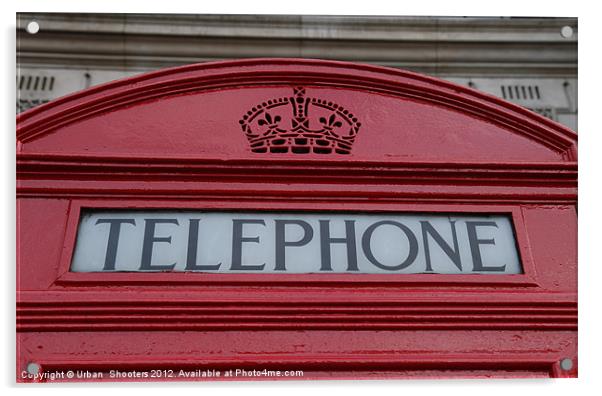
524, 60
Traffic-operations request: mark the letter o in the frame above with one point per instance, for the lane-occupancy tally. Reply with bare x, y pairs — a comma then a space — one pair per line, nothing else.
367, 238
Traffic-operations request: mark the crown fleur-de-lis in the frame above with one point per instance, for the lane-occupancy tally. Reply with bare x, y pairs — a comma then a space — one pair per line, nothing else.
267, 120
331, 122
298, 124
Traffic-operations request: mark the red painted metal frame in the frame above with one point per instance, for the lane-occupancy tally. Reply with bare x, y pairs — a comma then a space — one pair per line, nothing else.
66, 278
331, 326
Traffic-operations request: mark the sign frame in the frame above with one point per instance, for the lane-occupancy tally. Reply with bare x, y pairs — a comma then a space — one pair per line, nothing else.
67, 278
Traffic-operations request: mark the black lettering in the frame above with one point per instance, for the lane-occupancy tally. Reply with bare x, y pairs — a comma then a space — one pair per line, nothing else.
412, 253
238, 240
471, 227
149, 240
326, 240
282, 243
113, 242
453, 254
193, 243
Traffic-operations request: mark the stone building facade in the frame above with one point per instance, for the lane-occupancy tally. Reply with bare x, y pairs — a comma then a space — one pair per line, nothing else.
528, 61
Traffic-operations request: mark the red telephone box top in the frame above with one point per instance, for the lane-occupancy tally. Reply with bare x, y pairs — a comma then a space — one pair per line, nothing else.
302, 136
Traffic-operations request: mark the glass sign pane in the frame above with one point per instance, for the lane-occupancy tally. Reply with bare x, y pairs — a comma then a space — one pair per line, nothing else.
323, 243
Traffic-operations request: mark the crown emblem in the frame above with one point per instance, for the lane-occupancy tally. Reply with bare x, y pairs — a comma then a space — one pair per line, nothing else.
300, 125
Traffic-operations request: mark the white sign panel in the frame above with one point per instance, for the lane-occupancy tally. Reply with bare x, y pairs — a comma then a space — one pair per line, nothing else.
233, 242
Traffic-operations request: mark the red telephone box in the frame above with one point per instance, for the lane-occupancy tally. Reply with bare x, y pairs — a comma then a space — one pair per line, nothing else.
317, 219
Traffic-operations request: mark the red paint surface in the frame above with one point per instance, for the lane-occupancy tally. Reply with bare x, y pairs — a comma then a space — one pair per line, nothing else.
171, 139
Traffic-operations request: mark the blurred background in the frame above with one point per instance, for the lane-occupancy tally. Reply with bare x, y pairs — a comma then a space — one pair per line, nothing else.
529, 61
